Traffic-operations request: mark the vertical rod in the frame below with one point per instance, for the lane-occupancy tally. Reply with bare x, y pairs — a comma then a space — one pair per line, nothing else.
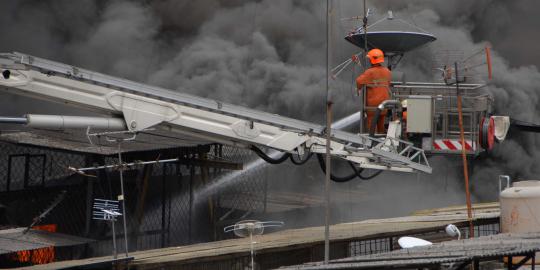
114, 238
163, 201
26, 170
251, 247
88, 160
43, 165
328, 134
177, 174
327, 186
123, 196
89, 196
191, 180
464, 155
8, 179
488, 61
363, 90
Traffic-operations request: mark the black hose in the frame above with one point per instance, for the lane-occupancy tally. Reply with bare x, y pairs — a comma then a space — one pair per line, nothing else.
267, 158
371, 176
333, 177
525, 126
356, 170
301, 162
359, 172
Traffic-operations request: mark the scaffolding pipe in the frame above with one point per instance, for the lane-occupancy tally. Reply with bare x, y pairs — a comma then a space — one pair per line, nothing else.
464, 156
13, 120
62, 122
124, 165
328, 134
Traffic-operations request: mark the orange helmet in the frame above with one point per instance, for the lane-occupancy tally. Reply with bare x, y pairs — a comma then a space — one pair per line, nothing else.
375, 56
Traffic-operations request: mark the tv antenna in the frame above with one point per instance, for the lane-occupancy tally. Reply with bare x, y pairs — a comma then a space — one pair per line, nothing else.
473, 67
107, 210
249, 228
57, 200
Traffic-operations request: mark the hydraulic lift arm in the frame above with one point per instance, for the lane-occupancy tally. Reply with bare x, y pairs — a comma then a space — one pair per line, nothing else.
143, 106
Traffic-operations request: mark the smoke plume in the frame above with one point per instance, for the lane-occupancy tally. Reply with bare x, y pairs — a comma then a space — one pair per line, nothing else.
270, 55
467, 26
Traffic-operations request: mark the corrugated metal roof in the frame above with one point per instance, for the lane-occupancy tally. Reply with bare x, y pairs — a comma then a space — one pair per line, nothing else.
447, 252
13, 240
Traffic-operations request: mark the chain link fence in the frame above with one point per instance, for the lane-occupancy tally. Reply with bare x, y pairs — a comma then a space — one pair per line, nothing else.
164, 203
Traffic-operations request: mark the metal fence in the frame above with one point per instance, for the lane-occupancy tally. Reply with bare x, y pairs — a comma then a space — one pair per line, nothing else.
163, 204
23, 167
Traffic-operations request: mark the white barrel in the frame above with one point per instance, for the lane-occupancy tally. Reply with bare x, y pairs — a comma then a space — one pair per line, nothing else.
520, 208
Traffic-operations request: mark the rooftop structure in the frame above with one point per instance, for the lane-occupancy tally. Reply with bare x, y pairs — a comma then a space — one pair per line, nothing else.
17, 239
289, 246
453, 254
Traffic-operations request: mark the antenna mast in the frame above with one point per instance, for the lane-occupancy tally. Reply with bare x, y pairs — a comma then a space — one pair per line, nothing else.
328, 132
362, 93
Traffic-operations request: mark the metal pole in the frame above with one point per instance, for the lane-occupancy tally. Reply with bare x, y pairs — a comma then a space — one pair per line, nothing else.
14, 120
363, 90
114, 239
327, 185
328, 133
464, 154
251, 246
163, 194
95, 168
123, 196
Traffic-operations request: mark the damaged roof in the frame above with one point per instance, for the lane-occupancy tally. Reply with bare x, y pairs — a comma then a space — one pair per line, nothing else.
13, 240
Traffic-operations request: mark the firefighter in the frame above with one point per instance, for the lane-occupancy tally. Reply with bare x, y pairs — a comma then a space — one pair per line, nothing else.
377, 81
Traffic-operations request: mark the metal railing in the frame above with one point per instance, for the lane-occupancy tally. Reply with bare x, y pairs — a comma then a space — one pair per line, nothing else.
477, 104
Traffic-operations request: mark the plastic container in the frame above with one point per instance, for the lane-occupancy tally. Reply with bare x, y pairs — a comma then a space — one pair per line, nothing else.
520, 209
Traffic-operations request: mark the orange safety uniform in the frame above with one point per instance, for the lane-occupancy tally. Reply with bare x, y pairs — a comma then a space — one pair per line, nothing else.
377, 81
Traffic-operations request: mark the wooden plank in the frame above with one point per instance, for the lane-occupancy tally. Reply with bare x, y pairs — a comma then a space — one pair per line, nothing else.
483, 207
299, 238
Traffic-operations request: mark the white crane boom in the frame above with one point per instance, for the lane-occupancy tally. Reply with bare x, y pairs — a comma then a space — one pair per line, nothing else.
144, 106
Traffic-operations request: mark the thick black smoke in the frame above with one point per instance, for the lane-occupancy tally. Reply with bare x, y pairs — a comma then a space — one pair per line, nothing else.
467, 26
269, 54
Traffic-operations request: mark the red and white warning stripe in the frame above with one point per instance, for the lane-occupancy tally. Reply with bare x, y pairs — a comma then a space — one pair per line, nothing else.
453, 145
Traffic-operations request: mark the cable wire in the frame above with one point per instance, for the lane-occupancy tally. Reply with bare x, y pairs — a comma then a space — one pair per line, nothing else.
267, 158
302, 161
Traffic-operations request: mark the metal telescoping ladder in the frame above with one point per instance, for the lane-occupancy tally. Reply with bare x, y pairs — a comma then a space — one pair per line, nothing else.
145, 106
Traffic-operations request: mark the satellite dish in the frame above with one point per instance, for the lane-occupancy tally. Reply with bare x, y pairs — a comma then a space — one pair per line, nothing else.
453, 231
410, 242
249, 228
391, 42
392, 35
